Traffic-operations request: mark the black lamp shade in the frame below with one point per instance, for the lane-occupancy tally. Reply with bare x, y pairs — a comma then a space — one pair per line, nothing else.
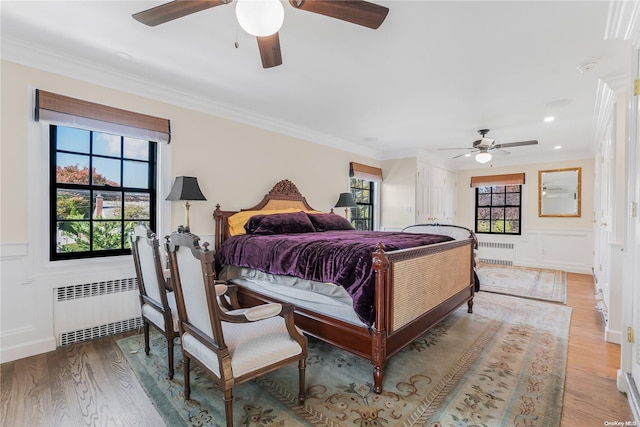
186, 188
346, 201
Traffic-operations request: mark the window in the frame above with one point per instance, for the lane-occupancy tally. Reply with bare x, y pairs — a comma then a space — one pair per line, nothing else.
362, 215
498, 209
101, 185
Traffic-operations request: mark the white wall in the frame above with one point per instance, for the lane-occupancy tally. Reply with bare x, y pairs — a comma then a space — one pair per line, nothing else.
546, 242
236, 166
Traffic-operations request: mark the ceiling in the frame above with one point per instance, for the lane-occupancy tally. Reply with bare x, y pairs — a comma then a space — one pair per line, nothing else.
432, 75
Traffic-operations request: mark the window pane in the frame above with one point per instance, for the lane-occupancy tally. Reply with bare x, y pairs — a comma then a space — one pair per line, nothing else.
498, 189
72, 236
484, 213
72, 168
73, 204
136, 149
107, 205
71, 139
484, 200
106, 172
497, 213
137, 206
106, 145
497, 226
136, 174
483, 226
513, 199
512, 213
512, 227
128, 227
497, 199
107, 235
483, 190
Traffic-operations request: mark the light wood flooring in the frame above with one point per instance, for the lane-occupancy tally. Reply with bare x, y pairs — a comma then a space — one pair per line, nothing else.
90, 384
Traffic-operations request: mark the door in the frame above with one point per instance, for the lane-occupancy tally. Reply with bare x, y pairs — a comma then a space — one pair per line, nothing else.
634, 220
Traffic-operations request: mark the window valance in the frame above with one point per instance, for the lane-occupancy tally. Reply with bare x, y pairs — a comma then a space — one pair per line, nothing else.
370, 173
67, 111
506, 179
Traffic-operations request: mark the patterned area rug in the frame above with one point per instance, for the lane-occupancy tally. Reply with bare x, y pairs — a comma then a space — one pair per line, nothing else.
547, 285
502, 365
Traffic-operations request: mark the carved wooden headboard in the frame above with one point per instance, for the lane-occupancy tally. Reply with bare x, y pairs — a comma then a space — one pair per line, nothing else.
283, 195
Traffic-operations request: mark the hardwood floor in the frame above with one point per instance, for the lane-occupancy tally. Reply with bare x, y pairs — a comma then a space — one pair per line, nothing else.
90, 384
590, 395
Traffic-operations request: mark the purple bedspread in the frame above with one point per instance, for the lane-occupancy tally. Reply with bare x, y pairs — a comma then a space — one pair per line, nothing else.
340, 257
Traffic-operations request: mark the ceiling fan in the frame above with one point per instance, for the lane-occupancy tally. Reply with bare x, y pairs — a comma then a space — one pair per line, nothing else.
483, 145
263, 18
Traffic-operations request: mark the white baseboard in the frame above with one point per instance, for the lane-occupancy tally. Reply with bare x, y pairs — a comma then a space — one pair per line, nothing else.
627, 385
27, 349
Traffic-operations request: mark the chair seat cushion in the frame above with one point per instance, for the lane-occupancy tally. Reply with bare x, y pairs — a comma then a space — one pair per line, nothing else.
251, 345
156, 317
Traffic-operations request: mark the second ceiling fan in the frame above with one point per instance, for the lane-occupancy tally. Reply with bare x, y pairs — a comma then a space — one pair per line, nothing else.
483, 145
263, 18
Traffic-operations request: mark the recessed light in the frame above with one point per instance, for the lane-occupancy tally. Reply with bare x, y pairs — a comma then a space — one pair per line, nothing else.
587, 66
557, 147
468, 155
549, 119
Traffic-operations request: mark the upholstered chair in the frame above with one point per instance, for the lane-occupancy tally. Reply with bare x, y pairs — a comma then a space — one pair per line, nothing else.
158, 304
231, 346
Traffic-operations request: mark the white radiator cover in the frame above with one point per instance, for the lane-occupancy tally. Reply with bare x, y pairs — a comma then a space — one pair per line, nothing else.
501, 253
93, 310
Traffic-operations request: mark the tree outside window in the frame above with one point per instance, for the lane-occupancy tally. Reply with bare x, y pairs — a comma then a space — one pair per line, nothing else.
362, 215
101, 186
498, 209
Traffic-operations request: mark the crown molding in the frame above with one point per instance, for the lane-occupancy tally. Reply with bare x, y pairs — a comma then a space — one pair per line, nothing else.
76, 68
623, 22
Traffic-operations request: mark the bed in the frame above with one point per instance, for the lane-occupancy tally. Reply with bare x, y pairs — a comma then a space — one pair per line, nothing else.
408, 288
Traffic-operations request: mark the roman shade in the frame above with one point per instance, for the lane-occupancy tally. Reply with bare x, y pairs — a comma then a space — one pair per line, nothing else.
488, 180
67, 111
370, 173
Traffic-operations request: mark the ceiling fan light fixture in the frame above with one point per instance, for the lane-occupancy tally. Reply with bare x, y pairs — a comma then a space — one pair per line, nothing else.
483, 157
260, 18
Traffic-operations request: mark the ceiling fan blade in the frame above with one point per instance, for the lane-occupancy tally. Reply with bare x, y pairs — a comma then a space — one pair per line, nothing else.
462, 155
500, 152
456, 148
516, 144
358, 12
173, 10
270, 53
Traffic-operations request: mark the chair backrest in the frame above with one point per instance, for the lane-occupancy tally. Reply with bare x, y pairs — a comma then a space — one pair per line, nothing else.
147, 260
193, 276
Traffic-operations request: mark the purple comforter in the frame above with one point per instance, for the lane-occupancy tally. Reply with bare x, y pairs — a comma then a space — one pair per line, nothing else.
340, 257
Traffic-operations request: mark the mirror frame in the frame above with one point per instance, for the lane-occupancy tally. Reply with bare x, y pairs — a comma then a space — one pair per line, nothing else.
579, 191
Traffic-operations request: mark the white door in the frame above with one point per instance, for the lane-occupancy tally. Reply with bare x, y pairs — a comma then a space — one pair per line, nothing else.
635, 228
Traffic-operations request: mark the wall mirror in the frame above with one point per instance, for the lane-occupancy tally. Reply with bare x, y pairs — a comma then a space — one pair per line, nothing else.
559, 192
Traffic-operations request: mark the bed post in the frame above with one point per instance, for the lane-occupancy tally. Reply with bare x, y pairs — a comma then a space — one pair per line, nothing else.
217, 216
379, 333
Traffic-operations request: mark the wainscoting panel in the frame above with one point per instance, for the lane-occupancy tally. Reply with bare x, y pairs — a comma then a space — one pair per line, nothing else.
25, 309
566, 250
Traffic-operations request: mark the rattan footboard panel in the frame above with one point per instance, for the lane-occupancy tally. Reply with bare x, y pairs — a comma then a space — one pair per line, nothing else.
421, 283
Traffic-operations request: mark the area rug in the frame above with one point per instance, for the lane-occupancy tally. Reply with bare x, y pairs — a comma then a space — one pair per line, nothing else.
502, 365
536, 283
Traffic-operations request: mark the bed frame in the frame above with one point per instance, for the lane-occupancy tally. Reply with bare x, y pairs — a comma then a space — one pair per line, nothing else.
414, 290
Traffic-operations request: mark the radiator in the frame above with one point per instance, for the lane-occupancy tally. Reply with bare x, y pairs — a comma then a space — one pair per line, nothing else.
93, 310
496, 253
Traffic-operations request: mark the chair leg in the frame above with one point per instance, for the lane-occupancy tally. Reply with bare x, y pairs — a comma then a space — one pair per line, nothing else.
187, 385
170, 355
301, 372
228, 407
146, 337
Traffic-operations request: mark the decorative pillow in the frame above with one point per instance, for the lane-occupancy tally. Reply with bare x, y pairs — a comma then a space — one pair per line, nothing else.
329, 222
238, 220
294, 222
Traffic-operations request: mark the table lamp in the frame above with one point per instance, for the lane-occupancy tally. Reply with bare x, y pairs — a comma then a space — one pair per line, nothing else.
186, 188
